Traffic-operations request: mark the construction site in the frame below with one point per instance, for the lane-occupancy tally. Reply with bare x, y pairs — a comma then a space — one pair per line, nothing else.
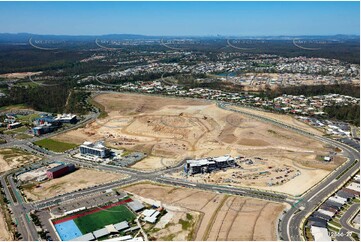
201, 215
38, 185
170, 130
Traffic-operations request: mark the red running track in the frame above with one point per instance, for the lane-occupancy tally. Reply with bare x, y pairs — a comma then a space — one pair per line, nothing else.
62, 220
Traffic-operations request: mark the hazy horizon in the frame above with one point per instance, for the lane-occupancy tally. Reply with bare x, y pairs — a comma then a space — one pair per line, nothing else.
181, 18
219, 35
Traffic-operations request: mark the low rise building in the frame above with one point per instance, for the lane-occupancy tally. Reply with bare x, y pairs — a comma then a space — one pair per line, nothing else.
121, 226
135, 206
150, 215
66, 118
60, 171
320, 234
44, 129
207, 165
354, 186
96, 149
85, 237
101, 233
14, 125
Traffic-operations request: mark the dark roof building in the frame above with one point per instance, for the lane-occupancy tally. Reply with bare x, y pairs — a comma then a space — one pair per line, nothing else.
356, 193
57, 168
60, 170
333, 204
328, 208
316, 219
322, 216
345, 195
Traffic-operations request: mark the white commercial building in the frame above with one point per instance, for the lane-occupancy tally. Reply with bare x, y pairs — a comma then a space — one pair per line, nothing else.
66, 118
150, 215
97, 149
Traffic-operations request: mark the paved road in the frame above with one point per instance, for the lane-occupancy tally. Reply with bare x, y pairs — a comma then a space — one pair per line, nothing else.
342, 235
291, 221
347, 216
24, 226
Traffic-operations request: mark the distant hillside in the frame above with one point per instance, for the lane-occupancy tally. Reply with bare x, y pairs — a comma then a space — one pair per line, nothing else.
24, 37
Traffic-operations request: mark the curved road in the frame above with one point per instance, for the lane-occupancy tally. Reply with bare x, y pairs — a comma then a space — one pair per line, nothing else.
347, 216
291, 226
291, 223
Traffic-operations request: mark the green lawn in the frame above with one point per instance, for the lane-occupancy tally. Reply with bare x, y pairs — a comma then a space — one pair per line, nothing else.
12, 152
17, 106
98, 220
335, 223
27, 118
54, 145
21, 129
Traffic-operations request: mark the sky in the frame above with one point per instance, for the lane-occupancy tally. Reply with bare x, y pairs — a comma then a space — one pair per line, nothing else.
181, 18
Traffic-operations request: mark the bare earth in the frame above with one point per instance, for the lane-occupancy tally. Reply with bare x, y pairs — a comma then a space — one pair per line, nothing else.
222, 217
280, 117
19, 74
78, 179
12, 158
172, 129
4, 231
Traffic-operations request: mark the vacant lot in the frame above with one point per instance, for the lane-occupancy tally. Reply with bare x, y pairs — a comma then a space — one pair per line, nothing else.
78, 179
13, 158
288, 119
221, 217
5, 234
170, 130
55, 145
19, 74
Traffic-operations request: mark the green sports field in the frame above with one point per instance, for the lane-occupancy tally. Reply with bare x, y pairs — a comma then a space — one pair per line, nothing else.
55, 145
98, 220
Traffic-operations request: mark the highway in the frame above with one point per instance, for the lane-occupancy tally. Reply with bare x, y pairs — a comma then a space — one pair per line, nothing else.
290, 227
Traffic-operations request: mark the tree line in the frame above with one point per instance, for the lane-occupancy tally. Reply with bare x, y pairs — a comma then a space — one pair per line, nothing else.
54, 99
350, 114
314, 90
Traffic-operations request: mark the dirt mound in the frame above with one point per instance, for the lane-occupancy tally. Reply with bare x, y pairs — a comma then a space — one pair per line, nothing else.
175, 128
132, 104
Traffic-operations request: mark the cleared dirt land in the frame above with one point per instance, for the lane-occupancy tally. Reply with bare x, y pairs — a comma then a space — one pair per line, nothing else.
172, 129
280, 117
221, 217
5, 234
78, 179
13, 158
19, 74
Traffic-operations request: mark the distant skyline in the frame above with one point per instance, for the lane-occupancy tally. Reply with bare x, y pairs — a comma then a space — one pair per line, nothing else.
181, 18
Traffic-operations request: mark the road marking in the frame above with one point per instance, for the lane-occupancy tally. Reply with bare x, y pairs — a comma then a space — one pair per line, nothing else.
320, 191
288, 226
